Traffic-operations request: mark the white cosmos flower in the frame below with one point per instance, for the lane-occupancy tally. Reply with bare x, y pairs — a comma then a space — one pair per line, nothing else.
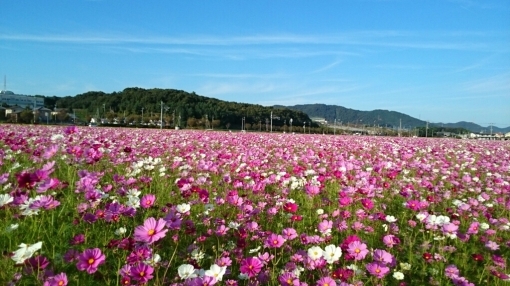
234, 225
183, 208
216, 271
315, 252
390, 218
133, 193
398, 275
154, 260
11, 227
25, 251
133, 202
405, 266
421, 216
186, 271
484, 226
332, 253
120, 231
197, 254
243, 276
5, 199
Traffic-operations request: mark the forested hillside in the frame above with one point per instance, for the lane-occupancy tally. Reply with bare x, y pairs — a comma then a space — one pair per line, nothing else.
187, 109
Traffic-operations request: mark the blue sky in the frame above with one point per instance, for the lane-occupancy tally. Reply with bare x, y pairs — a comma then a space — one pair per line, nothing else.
441, 61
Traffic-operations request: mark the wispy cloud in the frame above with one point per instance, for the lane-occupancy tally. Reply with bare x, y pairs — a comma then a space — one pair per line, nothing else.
325, 68
493, 84
242, 75
395, 39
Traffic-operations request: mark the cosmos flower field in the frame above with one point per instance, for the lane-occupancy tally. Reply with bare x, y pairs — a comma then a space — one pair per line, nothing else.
106, 206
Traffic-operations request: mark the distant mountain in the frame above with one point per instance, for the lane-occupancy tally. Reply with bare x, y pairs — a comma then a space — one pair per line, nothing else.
475, 127
379, 117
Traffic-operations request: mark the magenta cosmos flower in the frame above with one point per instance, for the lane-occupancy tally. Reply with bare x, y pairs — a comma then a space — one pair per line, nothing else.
251, 266
90, 259
151, 230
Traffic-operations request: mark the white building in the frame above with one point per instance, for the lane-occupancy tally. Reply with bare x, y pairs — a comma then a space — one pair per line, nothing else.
12, 99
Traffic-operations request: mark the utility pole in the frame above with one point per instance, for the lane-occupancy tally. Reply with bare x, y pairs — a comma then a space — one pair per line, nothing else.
142, 115
426, 129
34, 109
161, 117
290, 121
334, 128
271, 121
400, 127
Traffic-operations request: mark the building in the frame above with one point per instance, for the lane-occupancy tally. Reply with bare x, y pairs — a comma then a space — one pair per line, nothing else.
11, 99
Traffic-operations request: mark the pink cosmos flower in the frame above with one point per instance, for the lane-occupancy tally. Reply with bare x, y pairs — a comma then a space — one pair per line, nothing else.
325, 227
357, 250
451, 271
312, 190
57, 280
289, 233
150, 231
326, 281
142, 272
288, 279
382, 256
274, 241
473, 228
377, 269
390, 240
492, 245
90, 259
147, 201
251, 266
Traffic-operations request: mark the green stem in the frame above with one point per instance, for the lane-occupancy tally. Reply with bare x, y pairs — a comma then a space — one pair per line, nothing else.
170, 261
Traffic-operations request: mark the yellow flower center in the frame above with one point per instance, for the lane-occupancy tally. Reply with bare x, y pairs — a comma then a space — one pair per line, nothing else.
357, 250
151, 232
91, 261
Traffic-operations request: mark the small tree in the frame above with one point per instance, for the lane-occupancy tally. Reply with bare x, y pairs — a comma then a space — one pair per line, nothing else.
26, 116
216, 123
191, 122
